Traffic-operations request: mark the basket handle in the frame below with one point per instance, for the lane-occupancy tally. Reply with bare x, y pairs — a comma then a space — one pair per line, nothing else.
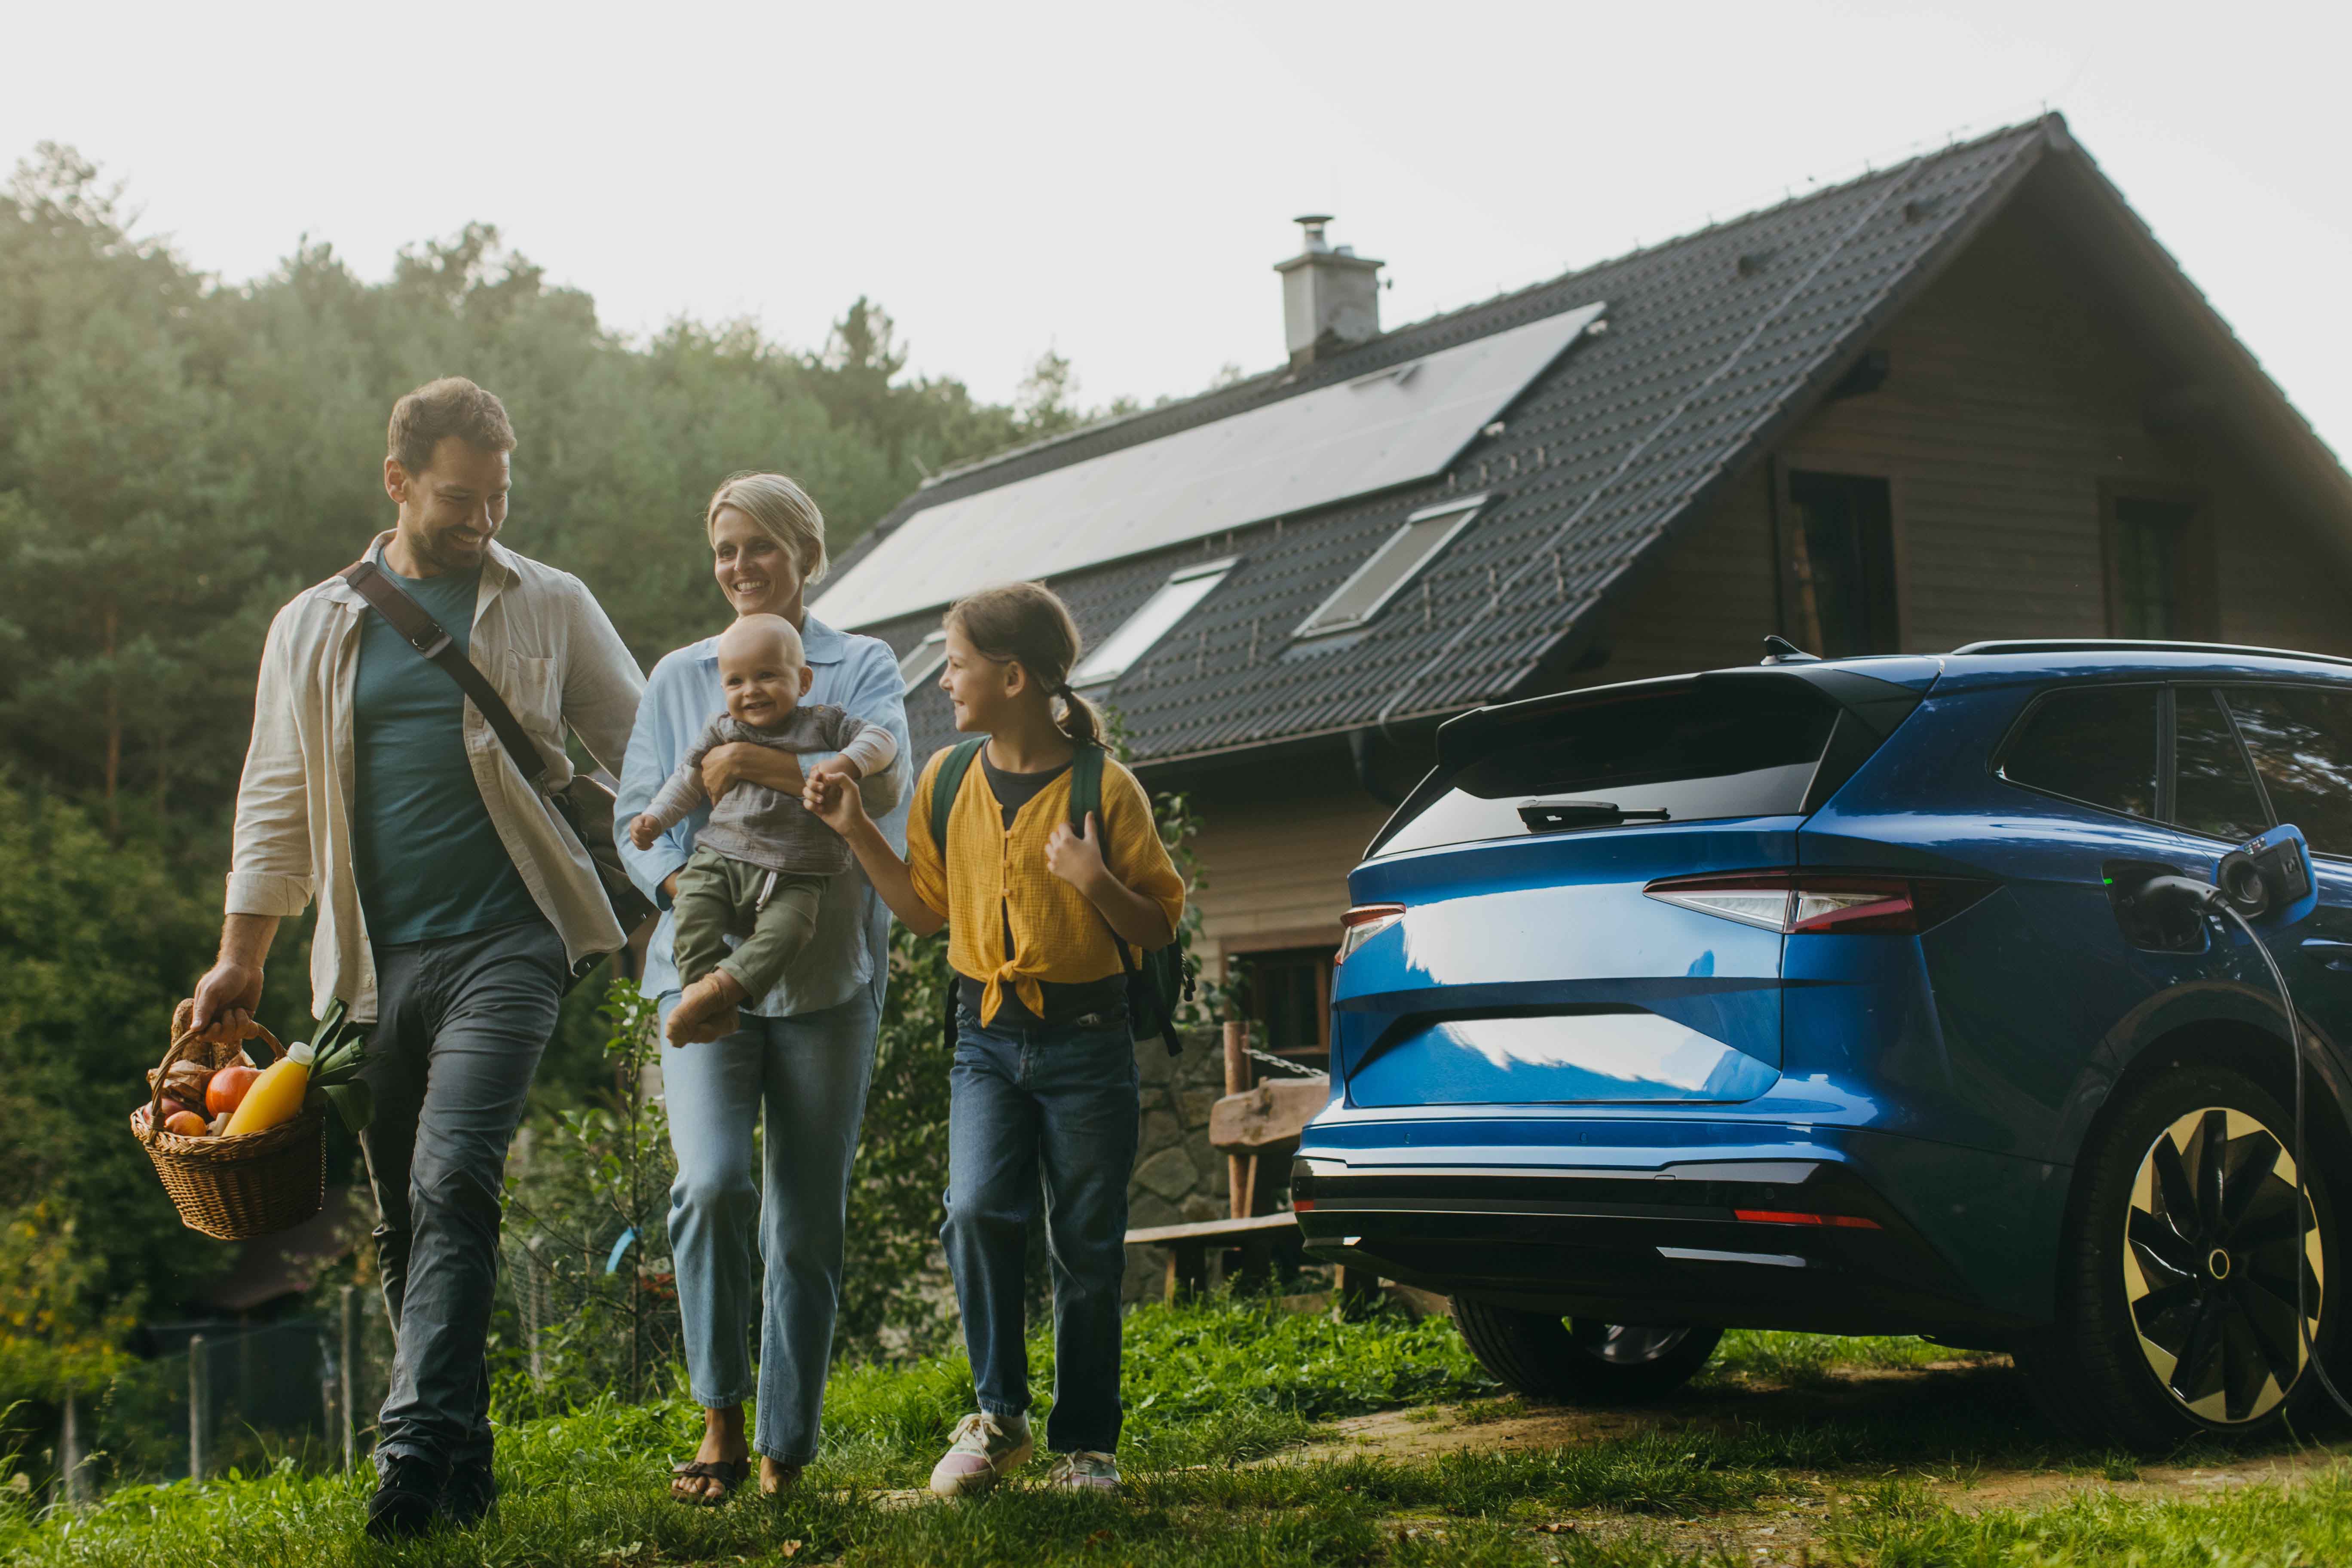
181, 1042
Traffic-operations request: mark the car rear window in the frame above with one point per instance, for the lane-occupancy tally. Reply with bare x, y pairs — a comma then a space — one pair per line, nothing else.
2097, 745
1699, 753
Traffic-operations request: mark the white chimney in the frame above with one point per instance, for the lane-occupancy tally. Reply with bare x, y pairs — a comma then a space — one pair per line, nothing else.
1330, 298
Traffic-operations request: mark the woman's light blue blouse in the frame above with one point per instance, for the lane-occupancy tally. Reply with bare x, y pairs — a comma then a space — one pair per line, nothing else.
851, 945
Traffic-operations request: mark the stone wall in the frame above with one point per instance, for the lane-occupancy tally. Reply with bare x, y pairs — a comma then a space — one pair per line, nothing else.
1178, 1177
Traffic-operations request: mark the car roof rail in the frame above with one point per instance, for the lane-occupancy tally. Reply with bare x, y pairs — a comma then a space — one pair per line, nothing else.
2138, 645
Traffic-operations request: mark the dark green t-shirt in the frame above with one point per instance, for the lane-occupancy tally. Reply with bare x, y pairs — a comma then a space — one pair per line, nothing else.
430, 863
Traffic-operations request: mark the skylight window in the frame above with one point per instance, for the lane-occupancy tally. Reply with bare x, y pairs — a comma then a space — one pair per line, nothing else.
922, 662
1169, 604
1395, 563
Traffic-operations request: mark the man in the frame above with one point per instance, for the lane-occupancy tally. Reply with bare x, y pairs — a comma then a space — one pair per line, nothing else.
453, 900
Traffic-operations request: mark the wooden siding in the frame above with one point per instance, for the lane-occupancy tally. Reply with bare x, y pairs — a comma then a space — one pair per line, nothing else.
1276, 856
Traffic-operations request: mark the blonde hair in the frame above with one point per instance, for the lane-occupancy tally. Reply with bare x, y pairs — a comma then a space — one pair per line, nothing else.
779, 509
1028, 623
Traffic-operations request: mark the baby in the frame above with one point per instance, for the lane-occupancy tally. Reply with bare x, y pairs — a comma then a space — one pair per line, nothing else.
762, 862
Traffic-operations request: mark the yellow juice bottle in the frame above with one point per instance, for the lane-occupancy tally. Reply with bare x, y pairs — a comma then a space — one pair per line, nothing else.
276, 1095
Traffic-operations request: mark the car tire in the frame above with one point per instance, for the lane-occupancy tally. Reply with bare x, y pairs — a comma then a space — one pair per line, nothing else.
1549, 1357
2176, 1279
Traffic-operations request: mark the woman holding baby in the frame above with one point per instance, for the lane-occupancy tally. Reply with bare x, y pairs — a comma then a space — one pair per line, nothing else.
784, 704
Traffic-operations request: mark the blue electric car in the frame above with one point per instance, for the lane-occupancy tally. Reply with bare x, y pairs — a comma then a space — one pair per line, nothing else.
1835, 995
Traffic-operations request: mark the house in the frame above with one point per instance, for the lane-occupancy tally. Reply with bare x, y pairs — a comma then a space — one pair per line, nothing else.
1967, 396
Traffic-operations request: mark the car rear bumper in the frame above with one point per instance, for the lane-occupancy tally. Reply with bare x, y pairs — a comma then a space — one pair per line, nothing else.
1897, 1235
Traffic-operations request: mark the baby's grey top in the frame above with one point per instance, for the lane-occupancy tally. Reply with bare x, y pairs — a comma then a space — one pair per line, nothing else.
766, 828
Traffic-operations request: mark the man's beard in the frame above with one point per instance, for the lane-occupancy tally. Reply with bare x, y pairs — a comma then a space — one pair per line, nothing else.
444, 552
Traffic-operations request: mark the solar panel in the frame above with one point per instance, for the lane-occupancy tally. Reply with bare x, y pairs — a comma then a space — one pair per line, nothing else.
1391, 427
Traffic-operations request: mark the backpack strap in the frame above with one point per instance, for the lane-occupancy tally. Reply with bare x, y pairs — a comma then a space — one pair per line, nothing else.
425, 634
1086, 800
946, 785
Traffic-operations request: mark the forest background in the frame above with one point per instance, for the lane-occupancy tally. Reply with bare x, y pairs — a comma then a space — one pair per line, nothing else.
180, 455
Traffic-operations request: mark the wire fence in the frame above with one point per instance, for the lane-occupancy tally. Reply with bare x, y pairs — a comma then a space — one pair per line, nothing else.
228, 1396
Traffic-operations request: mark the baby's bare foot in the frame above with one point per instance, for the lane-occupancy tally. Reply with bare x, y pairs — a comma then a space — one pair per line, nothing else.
705, 1011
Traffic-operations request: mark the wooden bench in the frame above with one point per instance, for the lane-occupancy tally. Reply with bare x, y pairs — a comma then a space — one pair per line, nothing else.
1188, 1246
1252, 1123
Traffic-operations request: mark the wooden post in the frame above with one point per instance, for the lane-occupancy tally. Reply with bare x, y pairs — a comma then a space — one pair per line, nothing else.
198, 1388
350, 1327
70, 1452
1355, 1291
1237, 1079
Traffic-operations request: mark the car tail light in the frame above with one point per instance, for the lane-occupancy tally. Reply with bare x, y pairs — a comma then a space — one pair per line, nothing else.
1362, 923
1792, 1216
1840, 902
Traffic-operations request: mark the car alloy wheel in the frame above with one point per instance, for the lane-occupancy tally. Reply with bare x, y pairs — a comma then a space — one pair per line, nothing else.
1626, 1344
2214, 1235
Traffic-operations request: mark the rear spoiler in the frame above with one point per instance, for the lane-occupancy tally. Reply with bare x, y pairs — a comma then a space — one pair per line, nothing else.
1869, 710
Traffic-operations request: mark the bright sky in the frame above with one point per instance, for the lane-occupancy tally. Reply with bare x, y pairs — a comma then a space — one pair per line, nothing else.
1115, 181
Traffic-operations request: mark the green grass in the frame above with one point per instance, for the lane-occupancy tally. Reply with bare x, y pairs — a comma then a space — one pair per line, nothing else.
1212, 1386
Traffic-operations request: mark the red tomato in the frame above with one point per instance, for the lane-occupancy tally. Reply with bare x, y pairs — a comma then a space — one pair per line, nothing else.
226, 1090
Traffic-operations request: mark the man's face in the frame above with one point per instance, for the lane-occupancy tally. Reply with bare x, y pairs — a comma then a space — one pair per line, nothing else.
453, 508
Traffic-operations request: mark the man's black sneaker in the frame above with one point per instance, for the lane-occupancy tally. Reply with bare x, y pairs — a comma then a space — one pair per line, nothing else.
407, 1498
469, 1494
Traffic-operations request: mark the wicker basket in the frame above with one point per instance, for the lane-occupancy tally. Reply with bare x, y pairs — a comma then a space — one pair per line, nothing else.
255, 1183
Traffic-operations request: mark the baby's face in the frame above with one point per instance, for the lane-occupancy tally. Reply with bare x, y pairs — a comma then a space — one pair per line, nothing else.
763, 683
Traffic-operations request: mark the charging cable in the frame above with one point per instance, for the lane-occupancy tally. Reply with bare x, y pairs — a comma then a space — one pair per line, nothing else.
2206, 895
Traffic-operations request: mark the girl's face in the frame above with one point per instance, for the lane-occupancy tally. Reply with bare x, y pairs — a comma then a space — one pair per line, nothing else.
981, 689
758, 575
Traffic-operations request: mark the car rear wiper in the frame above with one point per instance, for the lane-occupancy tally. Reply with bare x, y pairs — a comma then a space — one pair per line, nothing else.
1552, 815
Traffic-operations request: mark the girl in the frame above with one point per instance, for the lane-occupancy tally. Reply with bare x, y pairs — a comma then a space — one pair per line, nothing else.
1044, 1076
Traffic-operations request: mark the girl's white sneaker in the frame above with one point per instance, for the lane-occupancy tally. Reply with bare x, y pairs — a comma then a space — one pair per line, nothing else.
985, 1448
1085, 1469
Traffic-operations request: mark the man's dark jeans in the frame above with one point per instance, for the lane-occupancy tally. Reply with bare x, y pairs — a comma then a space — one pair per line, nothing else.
459, 1028
1062, 1101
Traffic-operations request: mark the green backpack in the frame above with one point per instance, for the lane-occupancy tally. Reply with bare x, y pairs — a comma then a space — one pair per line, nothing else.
1162, 980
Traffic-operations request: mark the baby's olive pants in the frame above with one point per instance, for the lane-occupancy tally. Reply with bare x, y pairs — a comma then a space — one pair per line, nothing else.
717, 896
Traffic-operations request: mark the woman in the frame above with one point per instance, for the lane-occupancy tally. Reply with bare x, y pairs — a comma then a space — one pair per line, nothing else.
806, 1050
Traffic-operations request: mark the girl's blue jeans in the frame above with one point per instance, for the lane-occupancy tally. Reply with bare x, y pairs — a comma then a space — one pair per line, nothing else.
740, 1243
1059, 1103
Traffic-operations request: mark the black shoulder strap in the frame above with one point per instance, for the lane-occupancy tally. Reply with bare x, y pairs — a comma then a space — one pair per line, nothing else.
946, 783
1085, 787
1086, 800
425, 634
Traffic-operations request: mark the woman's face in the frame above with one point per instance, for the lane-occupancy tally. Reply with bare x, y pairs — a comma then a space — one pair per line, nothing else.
758, 575
979, 688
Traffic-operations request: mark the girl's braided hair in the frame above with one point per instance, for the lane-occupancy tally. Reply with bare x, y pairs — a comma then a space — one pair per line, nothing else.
1028, 624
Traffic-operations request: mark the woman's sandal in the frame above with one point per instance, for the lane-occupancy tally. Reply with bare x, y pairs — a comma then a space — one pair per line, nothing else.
729, 1474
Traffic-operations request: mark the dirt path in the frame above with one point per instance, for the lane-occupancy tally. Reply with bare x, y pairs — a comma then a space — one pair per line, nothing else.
1999, 1454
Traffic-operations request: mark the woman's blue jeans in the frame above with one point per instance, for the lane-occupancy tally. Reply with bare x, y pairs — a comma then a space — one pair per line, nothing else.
810, 1073
1064, 1103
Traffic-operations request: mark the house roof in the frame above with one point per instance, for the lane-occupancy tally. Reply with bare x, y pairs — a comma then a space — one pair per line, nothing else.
1715, 344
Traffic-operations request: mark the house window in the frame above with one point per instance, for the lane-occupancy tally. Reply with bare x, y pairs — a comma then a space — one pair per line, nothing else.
2158, 568
1396, 562
922, 662
1170, 602
1286, 993
1837, 564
